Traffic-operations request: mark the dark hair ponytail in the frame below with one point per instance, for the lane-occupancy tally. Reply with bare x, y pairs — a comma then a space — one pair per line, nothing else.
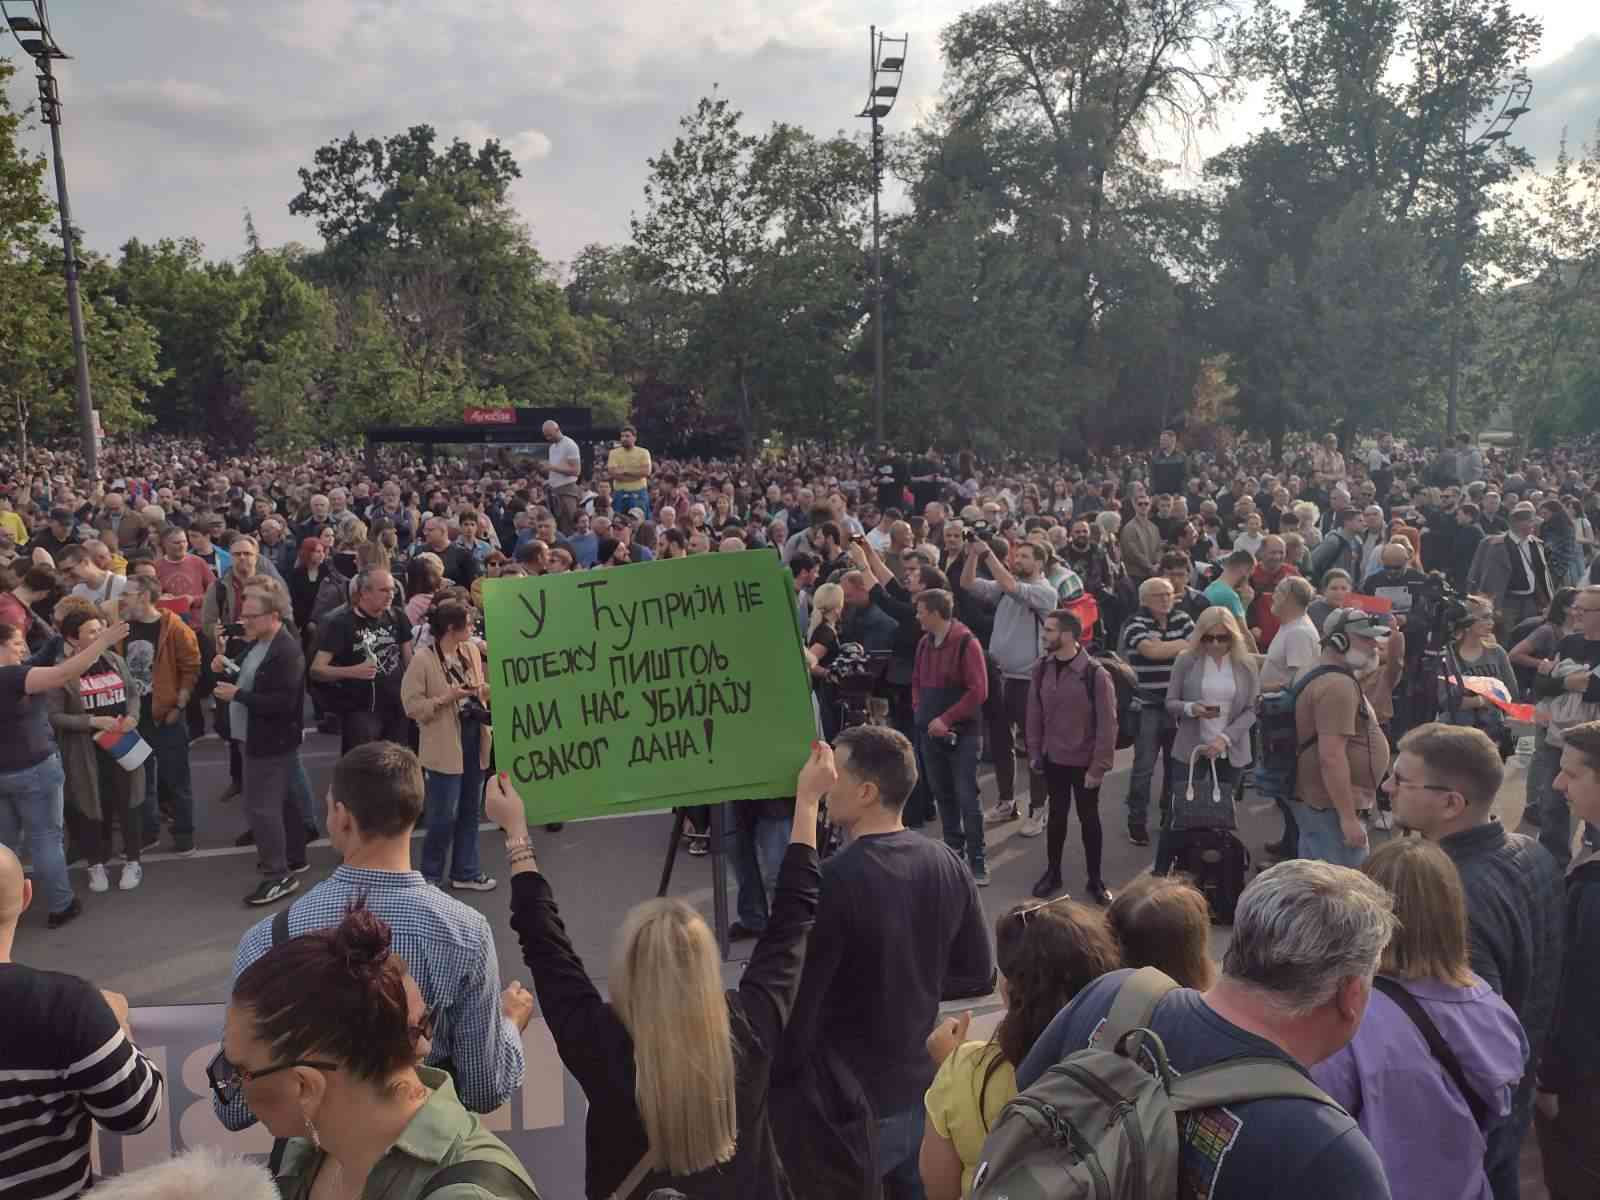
337, 993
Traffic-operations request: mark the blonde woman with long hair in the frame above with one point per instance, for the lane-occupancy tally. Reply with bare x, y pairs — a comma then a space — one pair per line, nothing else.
1212, 699
675, 1069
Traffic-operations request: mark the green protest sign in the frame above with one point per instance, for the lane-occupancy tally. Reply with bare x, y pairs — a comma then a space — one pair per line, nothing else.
634, 688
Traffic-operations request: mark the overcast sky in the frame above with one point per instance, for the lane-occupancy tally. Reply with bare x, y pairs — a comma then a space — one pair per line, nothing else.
180, 114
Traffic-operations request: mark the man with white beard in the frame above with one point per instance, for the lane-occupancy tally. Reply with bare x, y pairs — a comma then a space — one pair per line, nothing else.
1344, 754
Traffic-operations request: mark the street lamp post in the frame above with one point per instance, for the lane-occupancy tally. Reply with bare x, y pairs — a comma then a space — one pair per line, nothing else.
1515, 105
887, 63
41, 47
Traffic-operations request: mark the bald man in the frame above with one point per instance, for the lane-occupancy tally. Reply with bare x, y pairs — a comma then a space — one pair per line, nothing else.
562, 472
65, 1054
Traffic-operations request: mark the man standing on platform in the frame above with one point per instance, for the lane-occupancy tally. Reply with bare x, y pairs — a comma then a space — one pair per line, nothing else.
630, 468
562, 472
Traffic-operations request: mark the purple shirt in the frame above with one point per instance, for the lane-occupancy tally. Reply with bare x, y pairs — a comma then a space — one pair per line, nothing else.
1404, 1102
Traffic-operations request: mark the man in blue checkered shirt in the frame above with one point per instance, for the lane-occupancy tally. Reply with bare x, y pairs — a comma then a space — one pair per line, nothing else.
376, 800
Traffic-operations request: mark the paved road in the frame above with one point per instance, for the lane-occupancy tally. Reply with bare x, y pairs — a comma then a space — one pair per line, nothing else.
171, 942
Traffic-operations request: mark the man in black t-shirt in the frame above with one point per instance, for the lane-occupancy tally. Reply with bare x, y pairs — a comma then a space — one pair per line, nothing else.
1307, 939
892, 477
460, 564
899, 928
363, 650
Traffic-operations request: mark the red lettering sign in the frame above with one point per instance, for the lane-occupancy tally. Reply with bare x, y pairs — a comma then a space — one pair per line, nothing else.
490, 416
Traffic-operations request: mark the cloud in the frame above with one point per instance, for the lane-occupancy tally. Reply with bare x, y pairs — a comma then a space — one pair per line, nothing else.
526, 146
173, 125
1566, 98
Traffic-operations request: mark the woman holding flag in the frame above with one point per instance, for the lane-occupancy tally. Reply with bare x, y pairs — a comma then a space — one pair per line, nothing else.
101, 752
1480, 658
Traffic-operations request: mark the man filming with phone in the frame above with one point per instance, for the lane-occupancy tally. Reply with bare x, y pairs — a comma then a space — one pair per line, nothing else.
1021, 598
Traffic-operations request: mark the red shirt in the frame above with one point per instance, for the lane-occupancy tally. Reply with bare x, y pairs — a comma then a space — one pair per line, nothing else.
189, 577
1260, 613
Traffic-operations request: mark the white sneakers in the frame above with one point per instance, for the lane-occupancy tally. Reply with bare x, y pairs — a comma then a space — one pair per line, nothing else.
99, 881
1033, 825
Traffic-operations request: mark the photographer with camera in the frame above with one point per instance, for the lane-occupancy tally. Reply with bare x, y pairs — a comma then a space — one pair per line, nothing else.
1021, 598
445, 693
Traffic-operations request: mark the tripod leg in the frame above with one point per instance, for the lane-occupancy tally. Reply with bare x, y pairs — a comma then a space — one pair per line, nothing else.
719, 875
672, 854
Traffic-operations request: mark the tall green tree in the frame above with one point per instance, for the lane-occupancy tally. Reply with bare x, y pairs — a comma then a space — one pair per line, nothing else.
758, 240
38, 374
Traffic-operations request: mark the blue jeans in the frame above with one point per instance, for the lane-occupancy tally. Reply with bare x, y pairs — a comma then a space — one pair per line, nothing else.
1320, 837
1503, 1151
452, 822
31, 802
1152, 740
899, 1145
622, 502
757, 854
166, 775
953, 779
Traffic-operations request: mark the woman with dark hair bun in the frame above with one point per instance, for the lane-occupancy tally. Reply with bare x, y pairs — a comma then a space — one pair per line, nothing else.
324, 1037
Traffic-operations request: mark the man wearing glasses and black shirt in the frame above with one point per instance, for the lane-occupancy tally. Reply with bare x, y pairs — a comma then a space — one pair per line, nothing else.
362, 652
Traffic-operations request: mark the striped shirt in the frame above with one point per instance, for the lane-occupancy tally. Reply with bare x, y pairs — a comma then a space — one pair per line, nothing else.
64, 1064
1153, 676
449, 949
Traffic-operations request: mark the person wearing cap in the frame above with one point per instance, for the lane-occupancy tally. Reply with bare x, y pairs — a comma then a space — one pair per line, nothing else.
1344, 753
1513, 570
58, 534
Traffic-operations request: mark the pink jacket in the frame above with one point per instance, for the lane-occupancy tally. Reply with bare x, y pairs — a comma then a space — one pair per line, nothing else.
1060, 727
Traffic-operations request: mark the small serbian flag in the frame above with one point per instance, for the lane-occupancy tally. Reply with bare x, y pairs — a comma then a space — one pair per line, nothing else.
1497, 694
128, 749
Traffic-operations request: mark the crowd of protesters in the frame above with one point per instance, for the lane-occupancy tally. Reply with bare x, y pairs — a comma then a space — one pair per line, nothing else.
1014, 602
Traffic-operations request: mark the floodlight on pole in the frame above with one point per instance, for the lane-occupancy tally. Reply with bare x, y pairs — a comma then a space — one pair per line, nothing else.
886, 66
42, 48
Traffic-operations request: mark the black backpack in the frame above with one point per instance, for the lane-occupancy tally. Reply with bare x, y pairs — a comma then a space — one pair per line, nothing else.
1218, 864
1123, 679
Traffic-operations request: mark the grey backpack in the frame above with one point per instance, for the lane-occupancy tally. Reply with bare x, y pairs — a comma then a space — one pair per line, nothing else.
1098, 1126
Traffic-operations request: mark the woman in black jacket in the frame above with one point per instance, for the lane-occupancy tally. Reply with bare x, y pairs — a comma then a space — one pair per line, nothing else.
676, 1070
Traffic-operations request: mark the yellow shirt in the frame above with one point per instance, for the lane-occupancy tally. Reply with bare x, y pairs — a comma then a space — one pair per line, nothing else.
19, 530
952, 1101
627, 468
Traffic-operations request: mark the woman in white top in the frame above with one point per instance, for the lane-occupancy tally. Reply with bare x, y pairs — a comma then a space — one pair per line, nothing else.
1212, 697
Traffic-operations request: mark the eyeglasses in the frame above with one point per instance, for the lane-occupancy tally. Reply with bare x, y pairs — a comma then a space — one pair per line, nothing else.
1217, 639
227, 1080
1401, 781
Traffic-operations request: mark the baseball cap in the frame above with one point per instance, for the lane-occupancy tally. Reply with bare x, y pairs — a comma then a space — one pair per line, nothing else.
1356, 623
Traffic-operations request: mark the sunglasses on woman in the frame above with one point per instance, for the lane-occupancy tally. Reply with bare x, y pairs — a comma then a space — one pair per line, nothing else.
1217, 639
